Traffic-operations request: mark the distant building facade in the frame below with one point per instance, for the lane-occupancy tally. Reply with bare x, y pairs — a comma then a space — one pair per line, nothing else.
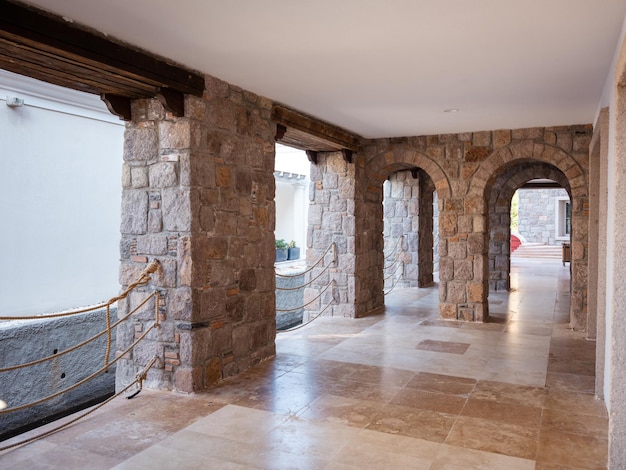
544, 216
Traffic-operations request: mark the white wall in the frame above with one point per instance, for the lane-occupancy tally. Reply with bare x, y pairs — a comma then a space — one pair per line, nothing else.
292, 196
60, 191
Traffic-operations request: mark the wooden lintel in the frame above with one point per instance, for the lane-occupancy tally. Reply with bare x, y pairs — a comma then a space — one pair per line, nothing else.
117, 105
312, 156
330, 136
347, 155
415, 173
83, 59
172, 100
280, 131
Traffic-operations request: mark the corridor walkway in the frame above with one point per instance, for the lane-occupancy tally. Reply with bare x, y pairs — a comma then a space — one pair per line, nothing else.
401, 390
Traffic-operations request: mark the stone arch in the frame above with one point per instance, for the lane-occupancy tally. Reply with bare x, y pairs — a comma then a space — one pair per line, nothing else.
379, 166
384, 164
483, 182
509, 180
524, 151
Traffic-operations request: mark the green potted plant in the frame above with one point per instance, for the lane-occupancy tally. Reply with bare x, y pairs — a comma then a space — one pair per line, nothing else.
294, 251
282, 250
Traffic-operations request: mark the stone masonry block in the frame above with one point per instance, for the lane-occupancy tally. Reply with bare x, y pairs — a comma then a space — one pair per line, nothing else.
134, 212
176, 210
140, 144
163, 175
456, 292
447, 311
175, 134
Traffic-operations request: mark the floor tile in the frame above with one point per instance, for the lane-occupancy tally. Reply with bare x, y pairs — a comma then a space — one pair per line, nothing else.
572, 450
494, 436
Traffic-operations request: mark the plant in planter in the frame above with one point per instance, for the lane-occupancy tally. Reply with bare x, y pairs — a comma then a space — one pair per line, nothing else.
282, 250
294, 251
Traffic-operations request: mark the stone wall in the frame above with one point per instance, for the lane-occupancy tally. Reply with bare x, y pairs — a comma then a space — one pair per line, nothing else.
30, 340
198, 195
537, 215
465, 169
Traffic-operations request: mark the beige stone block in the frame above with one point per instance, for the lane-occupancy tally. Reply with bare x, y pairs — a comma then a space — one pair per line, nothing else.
476, 292
482, 138
501, 138
447, 311
447, 224
474, 205
456, 292
479, 223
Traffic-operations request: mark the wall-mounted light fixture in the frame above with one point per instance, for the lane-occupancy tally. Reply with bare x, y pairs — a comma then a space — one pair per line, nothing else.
14, 102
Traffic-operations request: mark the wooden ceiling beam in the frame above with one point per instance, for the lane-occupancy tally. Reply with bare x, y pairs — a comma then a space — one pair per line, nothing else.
307, 133
44, 46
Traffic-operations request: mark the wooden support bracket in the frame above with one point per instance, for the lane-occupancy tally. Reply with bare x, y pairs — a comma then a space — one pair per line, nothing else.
280, 132
172, 100
347, 155
312, 156
117, 105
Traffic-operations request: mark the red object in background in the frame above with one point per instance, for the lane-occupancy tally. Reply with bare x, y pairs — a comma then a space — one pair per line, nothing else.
515, 243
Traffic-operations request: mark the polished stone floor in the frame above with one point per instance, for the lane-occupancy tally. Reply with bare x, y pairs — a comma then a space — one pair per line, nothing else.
400, 390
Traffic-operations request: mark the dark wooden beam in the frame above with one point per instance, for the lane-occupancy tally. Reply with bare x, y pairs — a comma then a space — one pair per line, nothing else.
44, 46
308, 133
117, 105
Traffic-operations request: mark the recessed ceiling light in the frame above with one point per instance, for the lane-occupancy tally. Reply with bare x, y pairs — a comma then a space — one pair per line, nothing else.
451, 110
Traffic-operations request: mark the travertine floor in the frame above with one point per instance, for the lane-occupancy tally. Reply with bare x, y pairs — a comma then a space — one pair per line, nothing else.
400, 390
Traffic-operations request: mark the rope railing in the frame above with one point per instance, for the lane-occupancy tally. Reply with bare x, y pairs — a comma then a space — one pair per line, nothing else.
393, 250
315, 317
326, 268
396, 264
89, 340
143, 280
332, 263
139, 378
331, 283
332, 246
395, 281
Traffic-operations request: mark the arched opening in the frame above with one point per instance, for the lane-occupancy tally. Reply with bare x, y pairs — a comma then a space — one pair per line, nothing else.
404, 182
506, 182
408, 210
515, 164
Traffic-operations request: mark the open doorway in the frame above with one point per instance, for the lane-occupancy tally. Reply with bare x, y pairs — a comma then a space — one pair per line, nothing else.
291, 173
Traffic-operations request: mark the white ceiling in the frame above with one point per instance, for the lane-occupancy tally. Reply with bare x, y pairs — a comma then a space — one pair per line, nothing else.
384, 68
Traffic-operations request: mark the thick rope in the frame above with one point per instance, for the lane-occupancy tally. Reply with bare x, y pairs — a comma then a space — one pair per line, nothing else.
309, 321
395, 282
109, 336
309, 302
332, 246
85, 380
139, 378
307, 283
393, 250
80, 345
143, 279
394, 272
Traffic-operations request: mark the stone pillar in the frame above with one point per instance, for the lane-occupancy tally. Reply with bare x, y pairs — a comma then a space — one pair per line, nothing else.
463, 259
425, 230
338, 214
616, 271
401, 205
602, 161
199, 197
